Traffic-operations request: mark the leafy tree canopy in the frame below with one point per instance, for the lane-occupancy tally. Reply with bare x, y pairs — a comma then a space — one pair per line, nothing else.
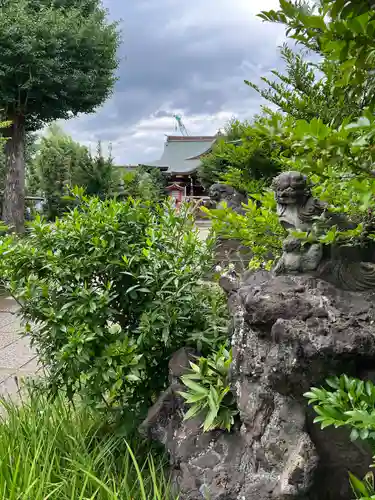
345, 145
343, 31
57, 58
144, 182
304, 91
244, 153
97, 174
338, 156
61, 163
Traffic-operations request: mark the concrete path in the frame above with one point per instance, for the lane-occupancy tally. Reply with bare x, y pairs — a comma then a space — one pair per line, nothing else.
17, 359
204, 227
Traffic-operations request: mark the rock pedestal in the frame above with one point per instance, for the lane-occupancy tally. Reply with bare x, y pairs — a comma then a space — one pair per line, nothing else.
290, 333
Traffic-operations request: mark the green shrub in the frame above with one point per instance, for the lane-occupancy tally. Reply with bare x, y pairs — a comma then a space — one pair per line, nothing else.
56, 451
241, 182
256, 160
111, 290
144, 182
208, 391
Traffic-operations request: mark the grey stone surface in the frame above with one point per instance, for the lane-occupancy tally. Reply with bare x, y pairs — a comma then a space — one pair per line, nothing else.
204, 227
166, 413
8, 320
9, 386
232, 251
17, 359
16, 355
289, 333
7, 304
8, 337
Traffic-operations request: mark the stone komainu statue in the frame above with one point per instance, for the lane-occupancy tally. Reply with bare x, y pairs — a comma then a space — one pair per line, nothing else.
230, 250
220, 193
351, 268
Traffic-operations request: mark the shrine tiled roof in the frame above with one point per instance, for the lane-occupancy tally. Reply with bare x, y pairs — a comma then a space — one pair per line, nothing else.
182, 153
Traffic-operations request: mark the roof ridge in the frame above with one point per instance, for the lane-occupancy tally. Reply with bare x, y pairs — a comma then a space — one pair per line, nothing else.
191, 138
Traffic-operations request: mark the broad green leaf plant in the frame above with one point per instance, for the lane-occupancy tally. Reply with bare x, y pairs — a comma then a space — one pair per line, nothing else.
208, 391
348, 402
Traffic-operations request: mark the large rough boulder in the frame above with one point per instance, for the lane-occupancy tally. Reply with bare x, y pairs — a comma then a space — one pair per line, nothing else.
289, 333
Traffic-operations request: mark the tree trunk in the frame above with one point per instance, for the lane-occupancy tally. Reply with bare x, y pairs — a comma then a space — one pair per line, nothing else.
13, 212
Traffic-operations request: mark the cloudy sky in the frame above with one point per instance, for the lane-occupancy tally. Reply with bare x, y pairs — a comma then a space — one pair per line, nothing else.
188, 57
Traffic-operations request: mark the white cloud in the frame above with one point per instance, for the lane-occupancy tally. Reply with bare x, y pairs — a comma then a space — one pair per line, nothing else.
181, 57
229, 14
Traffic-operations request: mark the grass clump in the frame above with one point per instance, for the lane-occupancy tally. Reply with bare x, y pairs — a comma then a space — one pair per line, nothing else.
54, 450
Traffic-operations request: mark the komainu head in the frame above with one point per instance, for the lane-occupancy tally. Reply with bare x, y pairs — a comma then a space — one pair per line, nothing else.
291, 188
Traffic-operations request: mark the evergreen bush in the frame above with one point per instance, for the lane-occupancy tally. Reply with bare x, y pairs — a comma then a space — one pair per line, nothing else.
108, 293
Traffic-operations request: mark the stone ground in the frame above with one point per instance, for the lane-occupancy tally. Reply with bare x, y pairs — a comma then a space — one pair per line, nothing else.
204, 227
17, 359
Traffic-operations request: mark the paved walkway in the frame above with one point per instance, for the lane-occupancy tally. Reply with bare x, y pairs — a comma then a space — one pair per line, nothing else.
204, 227
17, 359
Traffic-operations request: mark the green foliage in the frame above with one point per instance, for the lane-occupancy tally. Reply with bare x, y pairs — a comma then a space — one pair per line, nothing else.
258, 228
325, 129
208, 391
363, 490
314, 147
351, 403
235, 129
112, 290
304, 92
241, 182
337, 154
57, 161
348, 402
57, 59
339, 161
61, 60
96, 175
56, 450
342, 31
215, 331
144, 183
60, 162
256, 160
